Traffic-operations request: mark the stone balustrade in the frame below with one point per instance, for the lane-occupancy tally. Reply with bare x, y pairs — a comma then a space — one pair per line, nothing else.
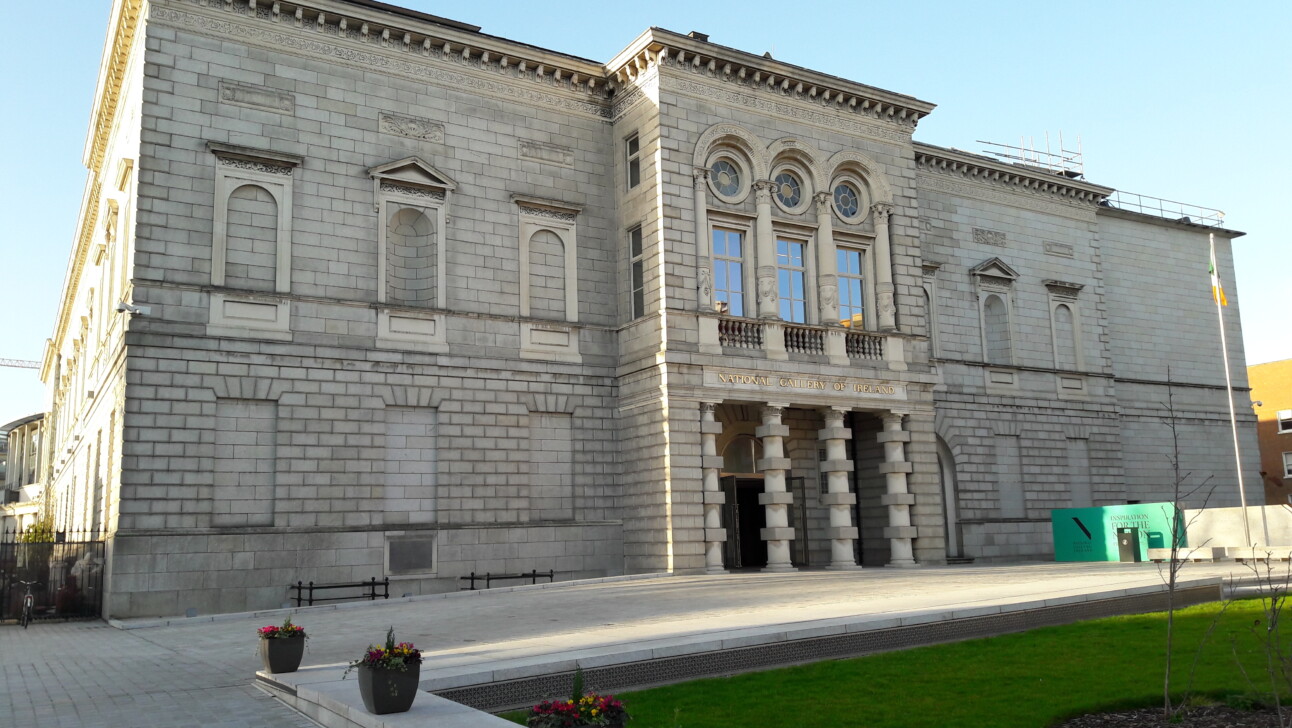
781, 340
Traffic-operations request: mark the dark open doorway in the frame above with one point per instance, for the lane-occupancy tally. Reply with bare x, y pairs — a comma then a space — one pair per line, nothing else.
744, 519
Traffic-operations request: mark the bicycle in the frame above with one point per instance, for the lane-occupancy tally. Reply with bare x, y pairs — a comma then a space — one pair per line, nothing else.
28, 604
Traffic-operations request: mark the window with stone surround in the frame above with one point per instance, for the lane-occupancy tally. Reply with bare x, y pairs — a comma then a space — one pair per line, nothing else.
1065, 324
638, 271
728, 271
996, 332
548, 255
251, 238
411, 199
995, 283
632, 155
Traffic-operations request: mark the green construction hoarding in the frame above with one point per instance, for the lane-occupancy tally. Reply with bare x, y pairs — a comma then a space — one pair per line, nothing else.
1090, 534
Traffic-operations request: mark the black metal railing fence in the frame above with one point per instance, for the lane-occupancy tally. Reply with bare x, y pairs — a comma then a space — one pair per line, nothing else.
67, 575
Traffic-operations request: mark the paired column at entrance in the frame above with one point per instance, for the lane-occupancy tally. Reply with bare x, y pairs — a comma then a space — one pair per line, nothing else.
775, 498
841, 532
900, 533
715, 536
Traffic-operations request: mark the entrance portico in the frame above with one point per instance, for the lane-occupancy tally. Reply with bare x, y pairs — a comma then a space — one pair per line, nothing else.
797, 457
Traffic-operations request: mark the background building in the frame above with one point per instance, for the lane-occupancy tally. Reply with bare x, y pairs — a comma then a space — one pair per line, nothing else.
1272, 399
360, 291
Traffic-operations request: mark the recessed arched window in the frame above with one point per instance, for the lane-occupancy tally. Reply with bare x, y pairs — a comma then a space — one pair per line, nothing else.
1065, 345
410, 258
996, 330
741, 455
252, 239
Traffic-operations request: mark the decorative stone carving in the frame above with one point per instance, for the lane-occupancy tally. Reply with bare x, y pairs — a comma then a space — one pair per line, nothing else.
705, 282
258, 97
882, 211
411, 127
547, 213
255, 166
983, 236
1061, 249
422, 192
766, 285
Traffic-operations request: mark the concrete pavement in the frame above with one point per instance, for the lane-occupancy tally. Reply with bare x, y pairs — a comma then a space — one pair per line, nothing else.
199, 671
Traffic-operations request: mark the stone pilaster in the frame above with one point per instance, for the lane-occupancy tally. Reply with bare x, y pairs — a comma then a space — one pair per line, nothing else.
766, 247
703, 243
775, 499
826, 265
884, 268
841, 532
715, 536
900, 533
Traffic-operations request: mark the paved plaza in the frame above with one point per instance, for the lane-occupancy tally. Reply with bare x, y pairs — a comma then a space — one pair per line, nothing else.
200, 671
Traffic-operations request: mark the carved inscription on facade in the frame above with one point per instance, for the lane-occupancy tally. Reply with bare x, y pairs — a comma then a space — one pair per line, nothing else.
982, 236
411, 127
259, 97
1062, 249
771, 384
547, 153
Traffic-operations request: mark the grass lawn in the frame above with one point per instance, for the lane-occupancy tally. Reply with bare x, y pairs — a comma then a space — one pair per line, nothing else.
1029, 680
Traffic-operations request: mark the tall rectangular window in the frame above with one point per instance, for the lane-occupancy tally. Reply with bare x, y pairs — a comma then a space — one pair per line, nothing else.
728, 271
638, 271
851, 308
790, 280
632, 151
1287, 464
1285, 421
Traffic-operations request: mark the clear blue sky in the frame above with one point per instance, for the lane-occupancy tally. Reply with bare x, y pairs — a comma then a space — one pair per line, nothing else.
1186, 101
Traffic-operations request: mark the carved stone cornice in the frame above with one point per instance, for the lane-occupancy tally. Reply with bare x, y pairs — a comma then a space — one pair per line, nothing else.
1019, 178
339, 28
765, 76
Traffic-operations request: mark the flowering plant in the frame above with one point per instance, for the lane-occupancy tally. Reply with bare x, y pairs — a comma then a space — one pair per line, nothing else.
287, 630
390, 657
590, 710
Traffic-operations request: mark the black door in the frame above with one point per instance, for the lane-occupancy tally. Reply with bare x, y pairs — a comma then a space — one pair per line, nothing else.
753, 519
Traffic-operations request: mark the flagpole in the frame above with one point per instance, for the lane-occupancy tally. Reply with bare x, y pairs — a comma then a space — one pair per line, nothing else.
1229, 389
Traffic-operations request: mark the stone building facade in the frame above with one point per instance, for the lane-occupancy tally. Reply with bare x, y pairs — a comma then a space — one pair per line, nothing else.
360, 291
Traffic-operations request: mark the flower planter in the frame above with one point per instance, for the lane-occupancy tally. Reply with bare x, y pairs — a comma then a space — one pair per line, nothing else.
388, 691
282, 654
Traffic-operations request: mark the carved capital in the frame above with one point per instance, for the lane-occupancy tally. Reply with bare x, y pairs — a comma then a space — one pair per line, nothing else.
700, 177
763, 191
892, 421
882, 211
772, 414
822, 200
834, 417
706, 410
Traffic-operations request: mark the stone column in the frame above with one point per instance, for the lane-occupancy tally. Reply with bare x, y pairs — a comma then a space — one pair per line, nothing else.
775, 499
703, 242
766, 247
715, 536
884, 268
826, 265
841, 532
900, 533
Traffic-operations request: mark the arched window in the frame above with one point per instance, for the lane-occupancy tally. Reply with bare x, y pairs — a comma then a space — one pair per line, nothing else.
1065, 344
252, 239
996, 330
410, 257
741, 455
546, 276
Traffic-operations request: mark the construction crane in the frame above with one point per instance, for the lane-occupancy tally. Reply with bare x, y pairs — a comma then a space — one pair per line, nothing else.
19, 363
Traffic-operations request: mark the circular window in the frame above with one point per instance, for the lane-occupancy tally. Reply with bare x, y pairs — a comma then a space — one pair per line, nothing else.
725, 178
846, 201
789, 191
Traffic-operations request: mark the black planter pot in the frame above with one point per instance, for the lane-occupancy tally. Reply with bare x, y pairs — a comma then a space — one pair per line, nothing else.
388, 691
282, 655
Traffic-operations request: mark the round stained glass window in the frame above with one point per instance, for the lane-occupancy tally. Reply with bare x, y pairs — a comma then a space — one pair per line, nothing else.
725, 178
846, 201
788, 189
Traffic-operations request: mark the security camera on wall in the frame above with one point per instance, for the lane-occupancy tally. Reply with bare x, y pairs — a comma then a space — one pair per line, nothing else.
134, 310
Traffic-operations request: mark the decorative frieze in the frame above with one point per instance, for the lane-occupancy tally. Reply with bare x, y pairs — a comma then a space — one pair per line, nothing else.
1061, 249
252, 166
411, 127
983, 236
422, 192
988, 173
257, 97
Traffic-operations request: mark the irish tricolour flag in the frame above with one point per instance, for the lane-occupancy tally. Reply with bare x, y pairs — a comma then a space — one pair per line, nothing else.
1217, 291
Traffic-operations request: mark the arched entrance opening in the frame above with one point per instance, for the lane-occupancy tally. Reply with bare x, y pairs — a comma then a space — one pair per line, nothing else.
744, 516
950, 503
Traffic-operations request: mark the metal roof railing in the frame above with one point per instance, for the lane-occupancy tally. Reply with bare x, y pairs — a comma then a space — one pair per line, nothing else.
1169, 209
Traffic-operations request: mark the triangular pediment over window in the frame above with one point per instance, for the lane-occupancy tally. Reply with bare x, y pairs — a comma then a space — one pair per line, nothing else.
412, 172
994, 268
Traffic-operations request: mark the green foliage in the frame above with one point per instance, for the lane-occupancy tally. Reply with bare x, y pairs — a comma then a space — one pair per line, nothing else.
1030, 679
40, 532
576, 691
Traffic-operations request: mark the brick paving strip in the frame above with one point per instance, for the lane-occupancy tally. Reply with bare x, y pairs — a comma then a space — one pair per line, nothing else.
201, 671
